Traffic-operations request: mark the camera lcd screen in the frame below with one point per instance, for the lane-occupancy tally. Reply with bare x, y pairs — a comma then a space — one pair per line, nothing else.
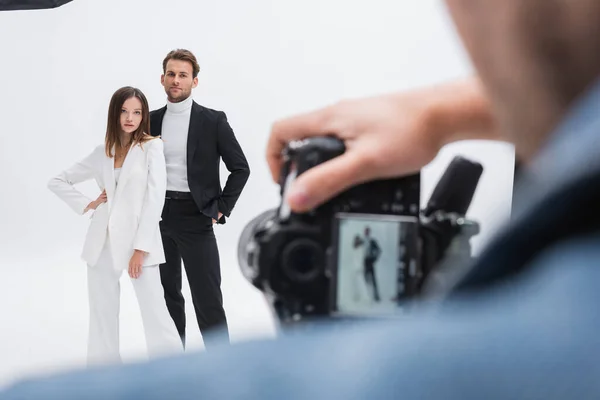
373, 257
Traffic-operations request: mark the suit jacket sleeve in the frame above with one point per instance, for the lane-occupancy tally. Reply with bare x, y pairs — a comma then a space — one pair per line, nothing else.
236, 163
154, 199
63, 184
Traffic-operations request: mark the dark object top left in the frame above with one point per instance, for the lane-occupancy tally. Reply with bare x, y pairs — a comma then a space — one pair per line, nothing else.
13, 5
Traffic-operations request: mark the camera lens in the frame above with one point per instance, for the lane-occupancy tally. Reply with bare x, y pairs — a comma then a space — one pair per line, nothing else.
302, 260
247, 246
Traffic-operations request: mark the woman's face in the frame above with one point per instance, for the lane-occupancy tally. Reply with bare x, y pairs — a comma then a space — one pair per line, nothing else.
131, 114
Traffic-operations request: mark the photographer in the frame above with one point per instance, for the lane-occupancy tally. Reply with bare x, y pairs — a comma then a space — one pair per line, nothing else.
524, 321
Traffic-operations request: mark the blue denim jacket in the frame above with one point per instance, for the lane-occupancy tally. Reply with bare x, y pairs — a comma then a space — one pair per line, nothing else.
536, 338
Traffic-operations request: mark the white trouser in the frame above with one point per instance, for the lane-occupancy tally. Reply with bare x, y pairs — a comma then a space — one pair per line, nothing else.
104, 302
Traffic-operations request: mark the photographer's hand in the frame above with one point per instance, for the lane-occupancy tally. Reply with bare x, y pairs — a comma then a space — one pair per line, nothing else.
385, 136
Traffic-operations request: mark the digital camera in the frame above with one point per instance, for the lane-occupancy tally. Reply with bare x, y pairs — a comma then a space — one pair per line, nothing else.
366, 252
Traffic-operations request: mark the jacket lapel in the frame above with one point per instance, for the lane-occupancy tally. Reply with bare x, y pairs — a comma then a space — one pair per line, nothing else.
156, 121
129, 162
194, 131
108, 173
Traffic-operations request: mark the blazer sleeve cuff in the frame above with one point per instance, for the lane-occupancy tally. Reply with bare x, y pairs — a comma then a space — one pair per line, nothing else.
80, 205
142, 245
222, 207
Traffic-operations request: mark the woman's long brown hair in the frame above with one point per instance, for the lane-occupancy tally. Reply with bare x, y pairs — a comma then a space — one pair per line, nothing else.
113, 126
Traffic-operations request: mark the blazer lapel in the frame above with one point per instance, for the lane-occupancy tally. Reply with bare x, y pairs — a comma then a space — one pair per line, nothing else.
194, 131
128, 163
109, 179
156, 121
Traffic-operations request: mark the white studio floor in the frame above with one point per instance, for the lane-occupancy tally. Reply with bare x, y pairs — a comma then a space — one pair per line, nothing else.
44, 315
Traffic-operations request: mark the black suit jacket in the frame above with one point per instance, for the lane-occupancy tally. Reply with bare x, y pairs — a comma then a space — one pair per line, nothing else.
373, 250
210, 138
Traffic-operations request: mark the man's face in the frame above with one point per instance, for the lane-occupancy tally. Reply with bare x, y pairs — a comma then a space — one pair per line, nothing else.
178, 80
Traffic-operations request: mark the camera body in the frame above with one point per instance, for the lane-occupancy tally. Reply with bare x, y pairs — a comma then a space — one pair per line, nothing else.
365, 252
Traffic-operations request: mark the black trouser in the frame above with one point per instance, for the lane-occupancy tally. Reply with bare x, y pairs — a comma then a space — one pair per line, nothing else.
370, 277
188, 234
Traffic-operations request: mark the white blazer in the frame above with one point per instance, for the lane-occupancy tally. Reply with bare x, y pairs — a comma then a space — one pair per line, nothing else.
134, 206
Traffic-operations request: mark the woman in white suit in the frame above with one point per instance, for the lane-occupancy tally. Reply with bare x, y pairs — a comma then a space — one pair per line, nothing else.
124, 234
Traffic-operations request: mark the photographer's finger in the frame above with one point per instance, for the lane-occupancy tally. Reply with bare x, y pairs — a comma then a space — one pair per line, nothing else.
315, 123
323, 182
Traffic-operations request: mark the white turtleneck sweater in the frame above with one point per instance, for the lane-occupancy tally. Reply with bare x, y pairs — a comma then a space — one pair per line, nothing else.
175, 126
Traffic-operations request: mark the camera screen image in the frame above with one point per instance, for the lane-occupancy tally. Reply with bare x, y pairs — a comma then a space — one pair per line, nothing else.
373, 256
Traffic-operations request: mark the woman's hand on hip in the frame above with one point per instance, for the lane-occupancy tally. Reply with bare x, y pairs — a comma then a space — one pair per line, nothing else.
135, 264
94, 204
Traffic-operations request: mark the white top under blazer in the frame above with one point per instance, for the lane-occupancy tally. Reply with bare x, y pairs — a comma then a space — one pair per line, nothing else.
133, 209
175, 126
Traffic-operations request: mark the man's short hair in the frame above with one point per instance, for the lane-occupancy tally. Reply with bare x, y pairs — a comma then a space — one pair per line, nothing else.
182, 55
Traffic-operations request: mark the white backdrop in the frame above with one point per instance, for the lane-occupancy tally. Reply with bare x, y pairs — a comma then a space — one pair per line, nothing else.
260, 61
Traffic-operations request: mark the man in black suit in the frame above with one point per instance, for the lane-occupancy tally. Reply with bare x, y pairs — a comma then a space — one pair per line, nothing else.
372, 252
195, 139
